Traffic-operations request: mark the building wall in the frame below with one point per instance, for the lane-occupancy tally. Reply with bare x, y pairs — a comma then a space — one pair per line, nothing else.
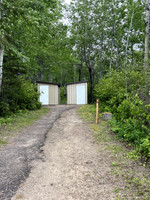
58, 95
86, 93
54, 93
72, 93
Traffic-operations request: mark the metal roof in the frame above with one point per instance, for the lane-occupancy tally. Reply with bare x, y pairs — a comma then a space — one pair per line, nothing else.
79, 82
48, 83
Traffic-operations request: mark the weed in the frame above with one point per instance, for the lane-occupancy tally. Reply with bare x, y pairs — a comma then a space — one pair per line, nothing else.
88, 174
134, 155
117, 190
3, 142
114, 164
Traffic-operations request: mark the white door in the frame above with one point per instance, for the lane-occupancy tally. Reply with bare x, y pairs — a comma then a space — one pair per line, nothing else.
44, 94
81, 94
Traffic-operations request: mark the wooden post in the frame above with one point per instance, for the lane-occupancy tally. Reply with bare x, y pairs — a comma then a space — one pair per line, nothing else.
97, 102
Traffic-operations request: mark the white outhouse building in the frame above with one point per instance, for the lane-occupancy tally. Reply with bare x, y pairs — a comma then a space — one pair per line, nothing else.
77, 93
49, 93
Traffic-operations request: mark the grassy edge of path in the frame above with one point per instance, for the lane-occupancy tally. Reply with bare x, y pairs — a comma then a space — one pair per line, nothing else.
126, 165
14, 124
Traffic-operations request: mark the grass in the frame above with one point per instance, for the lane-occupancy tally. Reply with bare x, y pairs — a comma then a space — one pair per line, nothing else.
63, 100
10, 126
126, 164
2, 142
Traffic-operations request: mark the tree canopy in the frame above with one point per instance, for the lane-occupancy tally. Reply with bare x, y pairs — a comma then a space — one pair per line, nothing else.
105, 42
100, 36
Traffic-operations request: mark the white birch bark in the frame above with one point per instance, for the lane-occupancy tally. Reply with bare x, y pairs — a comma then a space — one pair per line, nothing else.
112, 44
1, 67
146, 34
113, 35
128, 35
1, 59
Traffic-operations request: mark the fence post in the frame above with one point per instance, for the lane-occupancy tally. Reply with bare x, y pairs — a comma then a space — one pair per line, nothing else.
97, 103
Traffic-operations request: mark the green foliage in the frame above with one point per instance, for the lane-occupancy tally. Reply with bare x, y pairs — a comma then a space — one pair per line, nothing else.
145, 145
28, 96
103, 34
22, 118
4, 109
19, 94
119, 93
116, 86
63, 96
35, 46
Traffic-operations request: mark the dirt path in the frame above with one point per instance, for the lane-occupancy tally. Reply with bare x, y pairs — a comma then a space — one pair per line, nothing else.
16, 158
72, 168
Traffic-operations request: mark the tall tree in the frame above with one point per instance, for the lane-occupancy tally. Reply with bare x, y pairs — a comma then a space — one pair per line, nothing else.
84, 39
26, 31
1, 50
147, 8
115, 26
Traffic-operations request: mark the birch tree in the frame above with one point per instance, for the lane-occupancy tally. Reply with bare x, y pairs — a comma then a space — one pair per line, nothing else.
1, 50
147, 8
1, 67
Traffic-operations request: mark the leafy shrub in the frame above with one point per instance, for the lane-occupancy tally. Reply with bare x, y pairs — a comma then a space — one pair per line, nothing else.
116, 86
118, 93
28, 96
4, 109
63, 96
20, 94
132, 107
145, 146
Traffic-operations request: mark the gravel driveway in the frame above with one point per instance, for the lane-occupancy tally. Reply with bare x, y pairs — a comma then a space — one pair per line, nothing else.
71, 167
59, 159
16, 158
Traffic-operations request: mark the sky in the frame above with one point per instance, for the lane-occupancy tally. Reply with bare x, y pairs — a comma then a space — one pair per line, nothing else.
67, 1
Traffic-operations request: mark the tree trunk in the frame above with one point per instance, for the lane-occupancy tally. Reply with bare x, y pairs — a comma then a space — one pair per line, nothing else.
117, 59
1, 59
146, 35
128, 35
61, 76
89, 66
1, 69
81, 70
113, 37
91, 83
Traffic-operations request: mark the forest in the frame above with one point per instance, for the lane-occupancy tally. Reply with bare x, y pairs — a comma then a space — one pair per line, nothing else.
105, 42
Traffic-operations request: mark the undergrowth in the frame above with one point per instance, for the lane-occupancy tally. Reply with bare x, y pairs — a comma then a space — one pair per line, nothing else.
126, 95
18, 94
15, 122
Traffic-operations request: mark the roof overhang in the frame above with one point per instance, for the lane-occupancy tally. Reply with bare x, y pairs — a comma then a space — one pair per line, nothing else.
47, 83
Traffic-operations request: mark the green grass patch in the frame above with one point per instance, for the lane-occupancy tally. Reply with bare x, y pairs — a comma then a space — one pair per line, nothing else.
16, 122
87, 112
2, 142
23, 118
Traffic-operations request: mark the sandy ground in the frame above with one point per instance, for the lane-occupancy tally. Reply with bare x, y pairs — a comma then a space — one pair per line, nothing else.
72, 165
